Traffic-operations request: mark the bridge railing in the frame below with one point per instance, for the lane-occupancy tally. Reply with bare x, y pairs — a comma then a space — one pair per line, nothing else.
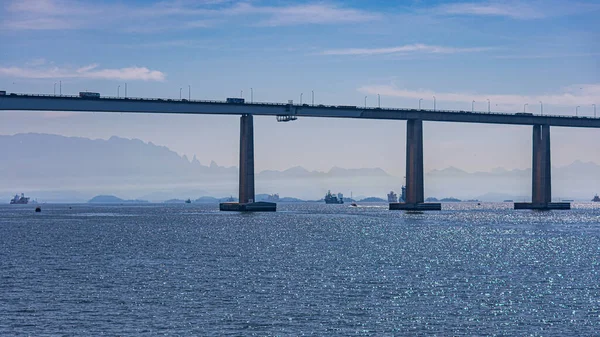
185, 100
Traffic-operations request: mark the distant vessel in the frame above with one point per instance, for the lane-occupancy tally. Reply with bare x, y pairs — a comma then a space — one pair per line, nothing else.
333, 199
596, 198
273, 197
392, 197
508, 200
22, 200
188, 201
353, 204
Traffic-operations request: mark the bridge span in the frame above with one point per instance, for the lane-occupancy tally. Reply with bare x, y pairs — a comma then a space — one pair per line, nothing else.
541, 172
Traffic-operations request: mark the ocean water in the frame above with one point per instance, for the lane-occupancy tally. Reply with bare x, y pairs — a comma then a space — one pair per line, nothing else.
309, 269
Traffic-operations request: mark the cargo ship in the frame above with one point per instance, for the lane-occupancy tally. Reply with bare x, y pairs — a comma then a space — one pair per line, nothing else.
333, 199
22, 200
596, 198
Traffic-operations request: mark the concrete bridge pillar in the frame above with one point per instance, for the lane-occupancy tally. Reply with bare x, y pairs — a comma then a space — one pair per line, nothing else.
541, 171
246, 188
415, 188
247, 202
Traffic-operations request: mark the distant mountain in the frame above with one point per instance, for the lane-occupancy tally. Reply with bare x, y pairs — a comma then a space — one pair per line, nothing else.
578, 181
111, 199
44, 164
54, 168
299, 172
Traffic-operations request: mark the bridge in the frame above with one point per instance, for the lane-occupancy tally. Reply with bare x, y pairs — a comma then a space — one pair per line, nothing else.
541, 168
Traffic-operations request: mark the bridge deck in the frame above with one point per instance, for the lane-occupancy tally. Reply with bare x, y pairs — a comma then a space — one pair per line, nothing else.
169, 106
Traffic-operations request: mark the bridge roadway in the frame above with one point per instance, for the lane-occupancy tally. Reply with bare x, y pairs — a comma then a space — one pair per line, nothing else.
170, 106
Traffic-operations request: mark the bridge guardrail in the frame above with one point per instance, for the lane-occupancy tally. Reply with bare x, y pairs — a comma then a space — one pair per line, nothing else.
185, 100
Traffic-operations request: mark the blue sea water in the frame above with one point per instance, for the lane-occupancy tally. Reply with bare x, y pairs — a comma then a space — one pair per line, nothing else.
309, 269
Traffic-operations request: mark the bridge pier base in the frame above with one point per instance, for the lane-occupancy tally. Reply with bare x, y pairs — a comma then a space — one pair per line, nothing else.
541, 196
246, 190
415, 189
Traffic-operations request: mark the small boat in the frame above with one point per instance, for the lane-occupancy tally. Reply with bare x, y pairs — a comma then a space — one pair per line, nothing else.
188, 201
596, 198
508, 200
353, 204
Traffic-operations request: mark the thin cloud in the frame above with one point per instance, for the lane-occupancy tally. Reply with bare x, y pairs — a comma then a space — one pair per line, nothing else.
546, 56
512, 10
584, 94
309, 14
76, 14
410, 48
519, 10
90, 71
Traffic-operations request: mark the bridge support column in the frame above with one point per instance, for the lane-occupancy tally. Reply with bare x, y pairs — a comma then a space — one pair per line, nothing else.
541, 186
415, 190
247, 201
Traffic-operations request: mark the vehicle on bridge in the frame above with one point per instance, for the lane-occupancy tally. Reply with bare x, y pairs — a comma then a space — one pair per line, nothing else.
235, 100
524, 114
87, 94
346, 106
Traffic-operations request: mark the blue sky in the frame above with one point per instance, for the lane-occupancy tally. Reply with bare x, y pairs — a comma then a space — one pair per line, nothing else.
509, 52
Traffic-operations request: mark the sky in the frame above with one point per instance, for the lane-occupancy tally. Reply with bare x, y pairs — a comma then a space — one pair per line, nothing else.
514, 54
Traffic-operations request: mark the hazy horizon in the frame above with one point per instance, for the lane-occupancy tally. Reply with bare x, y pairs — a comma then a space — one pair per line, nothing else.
56, 167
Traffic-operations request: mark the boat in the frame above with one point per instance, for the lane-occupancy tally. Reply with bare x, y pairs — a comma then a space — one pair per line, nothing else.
22, 200
508, 200
353, 204
392, 197
596, 198
188, 201
273, 197
333, 199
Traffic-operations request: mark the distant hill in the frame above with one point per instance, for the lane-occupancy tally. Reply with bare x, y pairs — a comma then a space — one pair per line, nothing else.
174, 201
111, 199
372, 199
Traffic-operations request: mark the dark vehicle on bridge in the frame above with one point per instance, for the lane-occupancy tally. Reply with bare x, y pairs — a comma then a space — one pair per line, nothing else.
346, 106
524, 114
86, 94
235, 100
